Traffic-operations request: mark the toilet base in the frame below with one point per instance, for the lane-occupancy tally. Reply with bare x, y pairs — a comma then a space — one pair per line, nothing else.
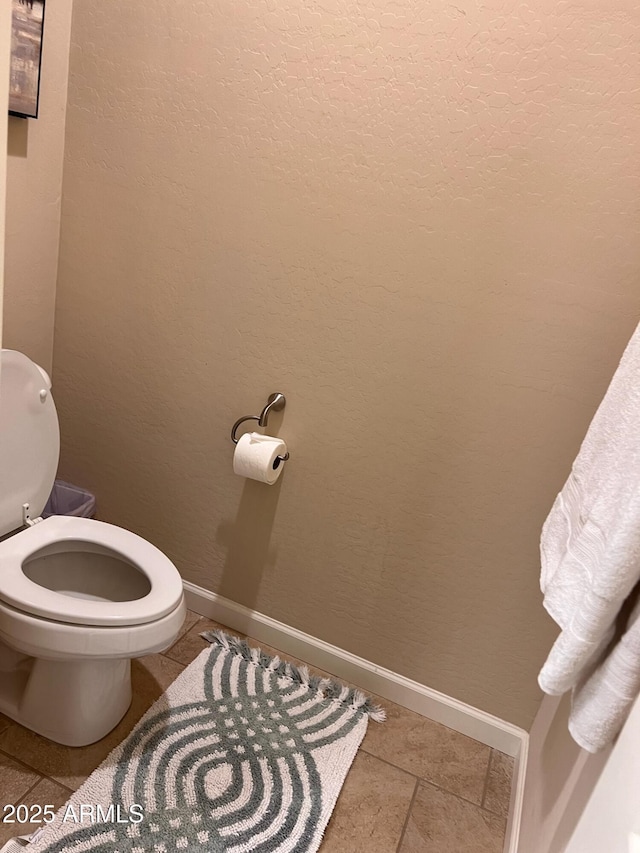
73, 702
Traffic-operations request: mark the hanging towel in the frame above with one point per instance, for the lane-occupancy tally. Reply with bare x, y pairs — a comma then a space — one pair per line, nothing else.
590, 552
602, 702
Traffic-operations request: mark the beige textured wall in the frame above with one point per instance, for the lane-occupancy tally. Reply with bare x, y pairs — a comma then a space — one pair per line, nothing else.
34, 188
419, 221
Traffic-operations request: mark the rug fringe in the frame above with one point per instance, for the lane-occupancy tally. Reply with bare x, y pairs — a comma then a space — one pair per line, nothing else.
329, 688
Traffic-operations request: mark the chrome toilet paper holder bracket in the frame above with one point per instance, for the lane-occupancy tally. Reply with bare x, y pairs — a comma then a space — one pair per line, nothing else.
275, 403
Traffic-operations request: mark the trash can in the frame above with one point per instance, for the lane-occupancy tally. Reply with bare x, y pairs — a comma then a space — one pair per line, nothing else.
66, 499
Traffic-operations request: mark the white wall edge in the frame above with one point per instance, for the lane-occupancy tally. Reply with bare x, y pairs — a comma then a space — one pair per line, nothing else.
417, 697
5, 66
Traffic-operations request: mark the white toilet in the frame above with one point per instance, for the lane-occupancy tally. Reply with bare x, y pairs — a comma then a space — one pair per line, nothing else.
78, 598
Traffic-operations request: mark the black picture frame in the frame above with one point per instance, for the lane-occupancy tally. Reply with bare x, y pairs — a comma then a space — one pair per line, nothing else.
27, 30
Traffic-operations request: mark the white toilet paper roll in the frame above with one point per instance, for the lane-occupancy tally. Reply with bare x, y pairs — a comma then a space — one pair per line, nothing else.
256, 457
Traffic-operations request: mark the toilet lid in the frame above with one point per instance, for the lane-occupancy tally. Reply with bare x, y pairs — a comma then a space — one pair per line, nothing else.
29, 439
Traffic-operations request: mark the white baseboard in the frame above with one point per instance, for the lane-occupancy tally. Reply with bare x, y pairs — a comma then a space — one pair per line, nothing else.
366, 675
512, 835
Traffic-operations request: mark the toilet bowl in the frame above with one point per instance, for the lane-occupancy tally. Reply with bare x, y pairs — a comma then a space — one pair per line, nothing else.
79, 598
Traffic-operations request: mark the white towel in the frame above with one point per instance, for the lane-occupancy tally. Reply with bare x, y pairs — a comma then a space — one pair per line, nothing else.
590, 550
602, 702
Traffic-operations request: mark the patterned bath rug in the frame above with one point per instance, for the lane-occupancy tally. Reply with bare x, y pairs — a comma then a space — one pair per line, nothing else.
243, 752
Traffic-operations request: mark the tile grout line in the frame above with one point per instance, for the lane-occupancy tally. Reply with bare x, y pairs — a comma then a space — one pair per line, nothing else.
166, 655
178, 639
41, 775
415, 776
27, 792
486, 781
480, 805
66, 787
390, 763
425, 781
195, 629
417, 779
495, 813
287, 656
166, 652
378, 758
192, 631
21, 763
408, 815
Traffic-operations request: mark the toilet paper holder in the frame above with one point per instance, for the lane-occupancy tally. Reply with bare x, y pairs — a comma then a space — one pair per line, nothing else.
275, 403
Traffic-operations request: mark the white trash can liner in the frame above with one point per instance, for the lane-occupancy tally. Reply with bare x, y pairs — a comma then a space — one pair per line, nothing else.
66, 499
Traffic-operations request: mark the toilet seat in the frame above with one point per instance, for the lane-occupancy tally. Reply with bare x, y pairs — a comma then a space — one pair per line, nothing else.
66, 534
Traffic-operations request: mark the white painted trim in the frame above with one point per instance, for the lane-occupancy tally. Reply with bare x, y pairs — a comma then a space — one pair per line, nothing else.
512, 835
436, 706
368, 676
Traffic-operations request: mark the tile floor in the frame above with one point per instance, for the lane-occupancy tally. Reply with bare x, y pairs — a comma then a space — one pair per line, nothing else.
415, 786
